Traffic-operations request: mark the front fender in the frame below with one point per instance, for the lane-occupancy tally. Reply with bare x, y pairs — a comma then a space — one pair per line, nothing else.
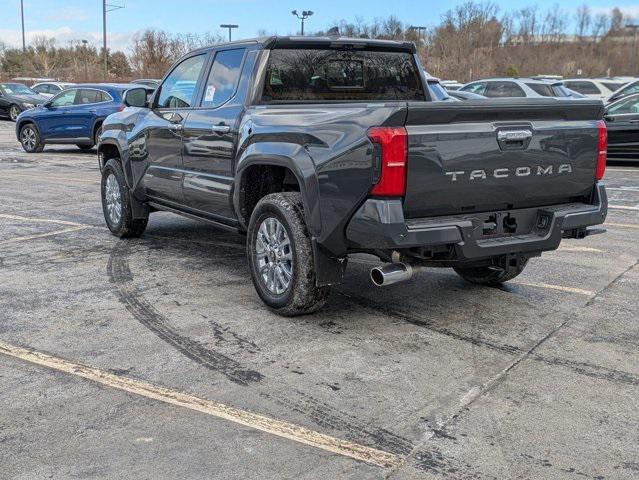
289, 155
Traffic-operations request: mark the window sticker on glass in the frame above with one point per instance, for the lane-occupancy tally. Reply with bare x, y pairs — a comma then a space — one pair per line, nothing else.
210, 93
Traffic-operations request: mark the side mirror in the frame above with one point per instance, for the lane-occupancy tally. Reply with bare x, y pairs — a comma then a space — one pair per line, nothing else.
135, 97
608, 118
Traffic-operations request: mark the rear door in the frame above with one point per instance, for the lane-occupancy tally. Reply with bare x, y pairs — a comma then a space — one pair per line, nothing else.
81, 117
173, 102
622, 120
479, 156
210, 136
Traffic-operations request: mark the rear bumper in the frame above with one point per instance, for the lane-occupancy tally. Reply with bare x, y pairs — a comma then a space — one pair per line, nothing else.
380, 225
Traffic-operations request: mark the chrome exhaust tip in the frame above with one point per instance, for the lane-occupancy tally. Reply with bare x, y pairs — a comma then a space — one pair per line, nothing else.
391, 273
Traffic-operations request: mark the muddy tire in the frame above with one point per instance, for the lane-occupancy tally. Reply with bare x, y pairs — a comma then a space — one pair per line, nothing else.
116, 203
280, 256
491, 276
30, 139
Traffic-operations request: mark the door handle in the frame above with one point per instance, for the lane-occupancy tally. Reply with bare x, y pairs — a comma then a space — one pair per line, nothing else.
176, 127
634, 121
220, 128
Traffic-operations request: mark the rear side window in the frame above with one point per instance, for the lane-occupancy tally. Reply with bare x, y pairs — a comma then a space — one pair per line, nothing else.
479, 88
86, 95
612, 86
504, 90
223, 77
585, 88
334, 75
178, 90
541, 89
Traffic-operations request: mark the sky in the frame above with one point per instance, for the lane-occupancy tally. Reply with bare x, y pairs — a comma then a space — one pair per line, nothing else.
82, 19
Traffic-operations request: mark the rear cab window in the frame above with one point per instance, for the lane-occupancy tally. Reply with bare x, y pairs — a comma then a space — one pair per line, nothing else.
321, 75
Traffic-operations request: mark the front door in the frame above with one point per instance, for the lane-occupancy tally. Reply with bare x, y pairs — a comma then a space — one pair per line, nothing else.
622, 120
53, 123
163, 136
210, 137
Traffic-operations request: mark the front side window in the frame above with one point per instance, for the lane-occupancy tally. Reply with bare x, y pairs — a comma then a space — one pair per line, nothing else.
65, 98
479, 88
629, 105
504, 90
223, 77
585, 88
46, 88
341, 75
178, 90
630, 89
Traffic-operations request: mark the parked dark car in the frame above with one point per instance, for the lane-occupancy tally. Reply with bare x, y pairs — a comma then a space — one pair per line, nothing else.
629, 89
149, 82
74, 116
16, 98
321, 147
622, 120
462, 95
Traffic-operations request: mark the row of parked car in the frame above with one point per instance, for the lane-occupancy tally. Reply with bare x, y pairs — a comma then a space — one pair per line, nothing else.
619, 94
63, 113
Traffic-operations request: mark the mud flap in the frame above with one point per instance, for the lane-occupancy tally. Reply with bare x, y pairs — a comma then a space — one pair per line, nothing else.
329, 270
139, 210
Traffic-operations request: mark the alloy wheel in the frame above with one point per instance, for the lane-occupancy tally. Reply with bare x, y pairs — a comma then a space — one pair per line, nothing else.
273, 256
13, 113
113, 199
29, 138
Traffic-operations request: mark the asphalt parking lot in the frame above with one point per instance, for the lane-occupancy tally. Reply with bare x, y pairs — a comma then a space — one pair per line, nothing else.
154, 358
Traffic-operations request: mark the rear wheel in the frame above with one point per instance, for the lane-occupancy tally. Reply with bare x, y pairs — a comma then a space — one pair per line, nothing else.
491, 276
30, 139
116, 203
14, 111
280, 256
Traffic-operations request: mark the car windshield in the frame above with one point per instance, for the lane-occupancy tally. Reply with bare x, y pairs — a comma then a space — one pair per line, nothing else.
612, 86
16, 89
341, 75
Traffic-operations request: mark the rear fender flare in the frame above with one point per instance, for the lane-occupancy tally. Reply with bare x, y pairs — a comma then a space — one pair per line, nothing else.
297, 160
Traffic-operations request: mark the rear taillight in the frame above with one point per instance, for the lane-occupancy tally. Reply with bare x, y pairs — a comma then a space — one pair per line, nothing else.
602, 147
390, 152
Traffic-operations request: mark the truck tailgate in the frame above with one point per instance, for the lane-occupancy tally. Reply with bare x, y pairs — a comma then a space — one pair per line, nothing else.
500, 154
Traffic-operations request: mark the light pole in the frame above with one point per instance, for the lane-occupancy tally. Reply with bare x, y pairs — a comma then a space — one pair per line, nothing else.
105, 9
230, 27
304, 16
86, 68
419, 30
24, 45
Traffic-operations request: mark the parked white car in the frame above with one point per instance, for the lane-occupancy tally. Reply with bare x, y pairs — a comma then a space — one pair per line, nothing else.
518, 87
594, 87
49, 89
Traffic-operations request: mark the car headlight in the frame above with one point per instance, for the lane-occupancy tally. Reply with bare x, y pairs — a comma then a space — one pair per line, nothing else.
27, 106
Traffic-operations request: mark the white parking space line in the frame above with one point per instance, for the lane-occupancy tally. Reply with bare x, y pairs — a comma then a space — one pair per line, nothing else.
215, 409
579, 249
623, 189
623, 207
51, 178
42, 220
42, 235
561, 288
622, 225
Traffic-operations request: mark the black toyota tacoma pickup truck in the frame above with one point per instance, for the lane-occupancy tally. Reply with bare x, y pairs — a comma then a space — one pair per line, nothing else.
317, 148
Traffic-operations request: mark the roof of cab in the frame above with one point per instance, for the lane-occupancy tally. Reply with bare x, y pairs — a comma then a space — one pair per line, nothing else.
318, 42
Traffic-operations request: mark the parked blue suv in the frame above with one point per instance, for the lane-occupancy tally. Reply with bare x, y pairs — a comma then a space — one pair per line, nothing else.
74, 116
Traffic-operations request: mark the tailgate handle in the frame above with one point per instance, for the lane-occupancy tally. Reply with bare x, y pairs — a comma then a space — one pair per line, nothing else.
514, 139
